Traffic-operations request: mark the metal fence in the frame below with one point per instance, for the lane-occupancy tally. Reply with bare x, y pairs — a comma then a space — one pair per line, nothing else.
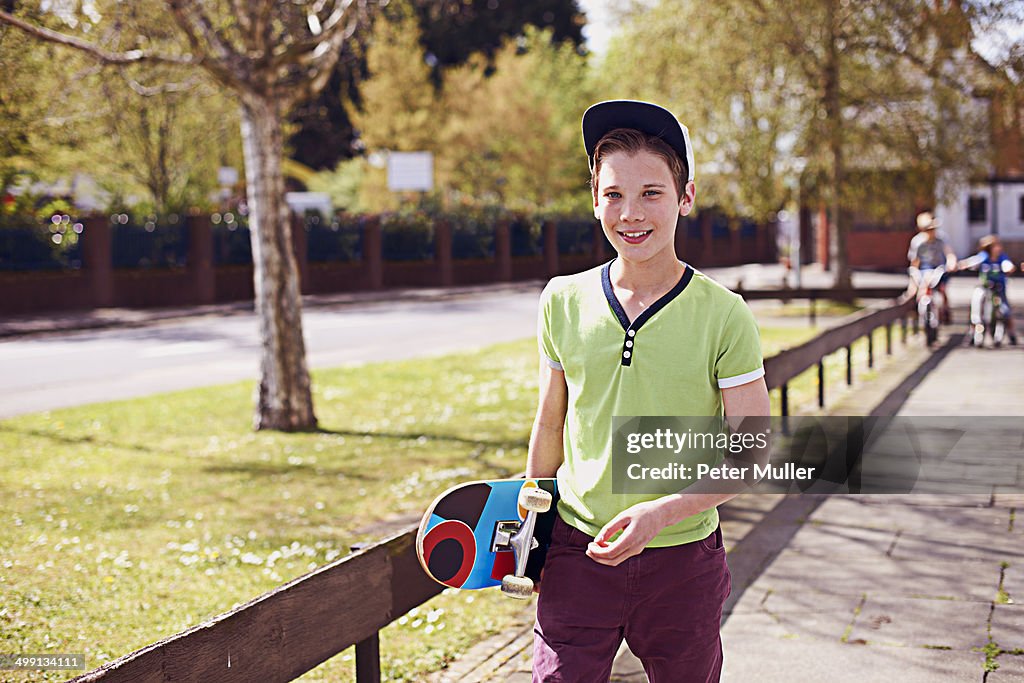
339, 239
147, 243
50, 246
575, 236
527, 237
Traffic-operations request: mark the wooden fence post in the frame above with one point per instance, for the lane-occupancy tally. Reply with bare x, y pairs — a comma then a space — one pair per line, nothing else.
443, 253
373, 253
99, 261
598, 251
300, 245
707, 247
550, 229
200, 258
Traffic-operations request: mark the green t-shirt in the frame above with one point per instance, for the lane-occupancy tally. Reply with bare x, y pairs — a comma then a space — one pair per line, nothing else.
674, 359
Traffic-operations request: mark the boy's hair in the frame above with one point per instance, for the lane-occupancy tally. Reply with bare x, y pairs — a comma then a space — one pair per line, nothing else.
631, 141
987, 242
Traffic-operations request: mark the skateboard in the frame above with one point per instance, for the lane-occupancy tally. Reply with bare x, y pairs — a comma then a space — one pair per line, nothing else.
489, 533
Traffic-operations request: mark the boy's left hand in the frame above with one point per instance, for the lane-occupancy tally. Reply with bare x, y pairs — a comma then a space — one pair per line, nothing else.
638, 524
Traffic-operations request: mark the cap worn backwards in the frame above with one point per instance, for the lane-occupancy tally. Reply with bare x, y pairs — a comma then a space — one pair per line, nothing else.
604, 117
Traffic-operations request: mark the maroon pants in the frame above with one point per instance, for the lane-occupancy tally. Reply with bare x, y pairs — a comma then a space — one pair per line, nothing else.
666, 603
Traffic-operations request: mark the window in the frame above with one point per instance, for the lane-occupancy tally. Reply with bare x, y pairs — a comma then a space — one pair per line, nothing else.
1020, 209
977, 210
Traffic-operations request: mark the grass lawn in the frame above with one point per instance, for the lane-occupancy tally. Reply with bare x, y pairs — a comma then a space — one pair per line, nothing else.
126, 522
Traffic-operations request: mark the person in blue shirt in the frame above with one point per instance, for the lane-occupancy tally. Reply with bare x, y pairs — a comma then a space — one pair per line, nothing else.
994, 266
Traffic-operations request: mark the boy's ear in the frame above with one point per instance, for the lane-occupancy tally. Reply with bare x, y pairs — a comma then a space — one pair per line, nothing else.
687, 200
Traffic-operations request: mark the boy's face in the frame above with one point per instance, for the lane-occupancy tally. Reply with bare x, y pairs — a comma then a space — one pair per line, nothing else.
638, 207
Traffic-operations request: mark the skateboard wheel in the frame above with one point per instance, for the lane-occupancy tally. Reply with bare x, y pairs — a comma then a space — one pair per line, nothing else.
535, 499
519, 587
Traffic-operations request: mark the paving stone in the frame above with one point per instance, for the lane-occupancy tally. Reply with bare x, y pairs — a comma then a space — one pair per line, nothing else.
969, 546
1013, 582
784, 602
749, 601
1011, 669
840, 540
1011, 497
770, 660
921, 623
1008, 627
792, 572
786, 625
894, 513
733, 532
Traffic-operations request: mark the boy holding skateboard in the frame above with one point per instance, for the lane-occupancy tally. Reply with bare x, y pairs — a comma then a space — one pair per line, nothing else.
643, 335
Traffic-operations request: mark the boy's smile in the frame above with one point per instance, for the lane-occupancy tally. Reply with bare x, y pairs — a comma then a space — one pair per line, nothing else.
638, 206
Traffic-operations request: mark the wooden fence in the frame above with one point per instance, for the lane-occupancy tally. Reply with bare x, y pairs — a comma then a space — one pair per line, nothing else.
292, 629
200, 276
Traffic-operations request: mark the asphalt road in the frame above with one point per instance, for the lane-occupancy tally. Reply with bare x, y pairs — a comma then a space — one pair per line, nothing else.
53, 371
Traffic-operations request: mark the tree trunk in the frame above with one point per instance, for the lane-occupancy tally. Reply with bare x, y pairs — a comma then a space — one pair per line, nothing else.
284, 400
834, 115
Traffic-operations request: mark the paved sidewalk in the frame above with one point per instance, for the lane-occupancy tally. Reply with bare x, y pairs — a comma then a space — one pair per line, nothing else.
864, 588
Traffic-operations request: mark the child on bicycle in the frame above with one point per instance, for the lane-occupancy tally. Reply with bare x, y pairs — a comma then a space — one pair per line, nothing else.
929, 249
994, 266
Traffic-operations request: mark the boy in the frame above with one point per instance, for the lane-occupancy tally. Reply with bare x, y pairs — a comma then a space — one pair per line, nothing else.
642, 335
994, 266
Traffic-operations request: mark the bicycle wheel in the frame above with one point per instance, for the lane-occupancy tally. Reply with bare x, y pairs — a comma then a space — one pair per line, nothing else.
931, 324
998, 320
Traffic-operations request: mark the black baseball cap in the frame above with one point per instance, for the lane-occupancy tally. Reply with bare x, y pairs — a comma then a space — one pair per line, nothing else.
604, 117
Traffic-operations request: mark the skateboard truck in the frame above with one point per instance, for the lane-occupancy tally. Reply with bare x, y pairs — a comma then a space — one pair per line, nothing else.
519, 538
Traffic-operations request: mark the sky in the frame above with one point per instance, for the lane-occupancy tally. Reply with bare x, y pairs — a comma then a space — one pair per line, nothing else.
600, 27
599, 24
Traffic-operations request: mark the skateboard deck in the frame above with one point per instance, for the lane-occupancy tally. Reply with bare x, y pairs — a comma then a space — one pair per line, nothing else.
456, 539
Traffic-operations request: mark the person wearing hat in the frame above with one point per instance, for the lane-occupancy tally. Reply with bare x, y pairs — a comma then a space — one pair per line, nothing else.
993, 266
929, 249
642, 335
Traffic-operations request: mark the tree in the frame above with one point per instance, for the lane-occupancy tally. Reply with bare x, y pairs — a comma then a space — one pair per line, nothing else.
28, 136
270, 56
738, 101
166, 142
511, 130
451, 32
873, 84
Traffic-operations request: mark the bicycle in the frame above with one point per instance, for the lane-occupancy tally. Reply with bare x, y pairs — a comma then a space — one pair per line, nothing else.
927, 308
994, 315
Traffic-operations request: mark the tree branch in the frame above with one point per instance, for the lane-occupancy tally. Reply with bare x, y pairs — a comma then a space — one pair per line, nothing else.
152, 91
225, 64
295, 52
105, 56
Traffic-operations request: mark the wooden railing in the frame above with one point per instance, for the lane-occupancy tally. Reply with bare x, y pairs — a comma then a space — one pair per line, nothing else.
294, 628
784, 366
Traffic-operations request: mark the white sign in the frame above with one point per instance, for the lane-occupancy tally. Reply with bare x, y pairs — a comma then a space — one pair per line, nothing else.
227, 176
300, 202
410, 171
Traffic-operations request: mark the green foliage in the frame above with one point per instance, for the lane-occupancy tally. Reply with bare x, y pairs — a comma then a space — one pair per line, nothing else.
33, 108
154, 135
502, 131
511, 133
398, 106
753, 80
343, 184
